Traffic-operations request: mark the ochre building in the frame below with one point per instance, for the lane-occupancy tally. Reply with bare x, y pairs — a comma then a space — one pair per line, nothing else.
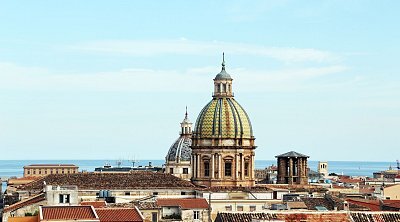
39, 170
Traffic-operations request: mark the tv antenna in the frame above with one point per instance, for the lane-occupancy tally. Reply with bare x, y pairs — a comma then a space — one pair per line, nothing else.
398, 166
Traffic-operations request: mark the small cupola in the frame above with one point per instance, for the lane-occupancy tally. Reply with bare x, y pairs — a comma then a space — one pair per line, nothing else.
223, 82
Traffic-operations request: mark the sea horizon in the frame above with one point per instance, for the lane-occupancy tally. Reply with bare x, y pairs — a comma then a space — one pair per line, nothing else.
14, 168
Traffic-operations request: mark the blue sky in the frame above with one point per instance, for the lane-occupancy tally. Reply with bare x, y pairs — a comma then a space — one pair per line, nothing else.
111, 79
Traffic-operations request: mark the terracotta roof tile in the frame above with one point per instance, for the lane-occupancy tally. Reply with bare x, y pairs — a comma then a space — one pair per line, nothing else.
67, 212
349, 180
372, 205
27, 202
145, 205
392, 203
99, 181
119, 214
287, 216
95, 204
375, 217
190, 203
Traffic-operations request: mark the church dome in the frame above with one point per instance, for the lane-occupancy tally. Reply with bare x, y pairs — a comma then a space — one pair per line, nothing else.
223, 117
223, 75
180, 149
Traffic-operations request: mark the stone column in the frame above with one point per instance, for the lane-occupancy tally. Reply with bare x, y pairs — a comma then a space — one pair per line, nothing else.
193, 167
219, 166
290, 180
236, 166
242, 166
212, 166
198, 165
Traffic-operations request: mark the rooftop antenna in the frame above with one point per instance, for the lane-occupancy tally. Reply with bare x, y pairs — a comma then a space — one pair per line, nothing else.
398, 166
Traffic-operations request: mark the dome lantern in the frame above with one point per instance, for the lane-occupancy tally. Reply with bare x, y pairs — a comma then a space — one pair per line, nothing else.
223, 82
186, 125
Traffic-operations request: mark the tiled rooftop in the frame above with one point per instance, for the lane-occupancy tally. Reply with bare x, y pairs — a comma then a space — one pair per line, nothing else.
184, 203
372, 205
243, 217
119, 214
95, 204
67, 212
375, 217
148, 205
27, 202
190, 203
293, 216
112, 181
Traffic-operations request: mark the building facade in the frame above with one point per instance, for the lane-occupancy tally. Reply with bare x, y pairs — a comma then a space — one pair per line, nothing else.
40, 170
223, 146
178, 159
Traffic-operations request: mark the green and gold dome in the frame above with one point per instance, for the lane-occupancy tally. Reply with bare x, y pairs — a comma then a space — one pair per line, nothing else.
223, 145
223, 117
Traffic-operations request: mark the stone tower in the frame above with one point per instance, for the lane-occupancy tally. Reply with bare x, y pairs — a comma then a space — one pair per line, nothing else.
323, 168
292, 168
223, 142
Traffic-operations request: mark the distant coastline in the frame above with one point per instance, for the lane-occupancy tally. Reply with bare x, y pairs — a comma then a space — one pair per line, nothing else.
10, 168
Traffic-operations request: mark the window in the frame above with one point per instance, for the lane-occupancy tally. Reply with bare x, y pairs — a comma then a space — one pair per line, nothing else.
185, 171
40, 172
183, 193
206, 169
239, 208
155, 193
34, 172
29, 172
64, 198
252, 208
127, 193
171, 170
154, 217
228, 208
196, 215
228, 169
246, 169
45, 172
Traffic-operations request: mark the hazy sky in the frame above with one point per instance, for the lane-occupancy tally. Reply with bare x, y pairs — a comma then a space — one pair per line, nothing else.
111, 79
